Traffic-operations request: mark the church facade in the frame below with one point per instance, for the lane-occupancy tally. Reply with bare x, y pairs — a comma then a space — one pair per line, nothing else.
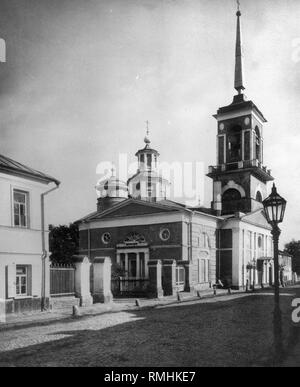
150, 238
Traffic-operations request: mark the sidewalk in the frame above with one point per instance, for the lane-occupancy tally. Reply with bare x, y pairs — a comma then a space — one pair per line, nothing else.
119, 304
127, 304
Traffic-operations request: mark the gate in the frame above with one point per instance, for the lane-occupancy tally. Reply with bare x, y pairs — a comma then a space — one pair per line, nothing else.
62, 280
129, 287
180, 278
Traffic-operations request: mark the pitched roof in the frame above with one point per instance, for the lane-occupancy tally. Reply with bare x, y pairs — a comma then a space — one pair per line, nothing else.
157, 207
13, 167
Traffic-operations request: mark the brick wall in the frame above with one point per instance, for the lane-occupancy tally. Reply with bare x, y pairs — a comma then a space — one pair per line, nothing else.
170, 249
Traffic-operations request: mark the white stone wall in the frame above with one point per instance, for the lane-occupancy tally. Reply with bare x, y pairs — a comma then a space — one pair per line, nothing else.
245, 248
21, 246
203, 248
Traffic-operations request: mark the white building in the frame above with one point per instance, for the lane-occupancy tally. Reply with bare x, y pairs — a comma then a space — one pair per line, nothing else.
24, 282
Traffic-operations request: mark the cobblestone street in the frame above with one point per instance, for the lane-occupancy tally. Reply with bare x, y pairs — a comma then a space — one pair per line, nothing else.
230, 331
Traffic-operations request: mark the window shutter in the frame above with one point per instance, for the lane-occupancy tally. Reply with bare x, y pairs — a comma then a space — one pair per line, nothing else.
29, 280
11, 274
35, 280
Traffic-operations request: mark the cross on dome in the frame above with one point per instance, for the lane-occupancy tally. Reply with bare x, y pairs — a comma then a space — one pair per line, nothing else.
147, 139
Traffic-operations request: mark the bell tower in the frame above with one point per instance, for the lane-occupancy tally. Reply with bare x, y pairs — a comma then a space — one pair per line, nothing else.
147, 184
239, 178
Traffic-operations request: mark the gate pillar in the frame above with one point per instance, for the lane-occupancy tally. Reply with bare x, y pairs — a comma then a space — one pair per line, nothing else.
82, 280
102, 280
155, 289
169, 274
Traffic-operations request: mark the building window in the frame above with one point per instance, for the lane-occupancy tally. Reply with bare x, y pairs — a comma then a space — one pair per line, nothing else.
259, 197
149, 160
165, 234
260, 242
234, 144
231, 195
257, 144
203, 270
205, 241
22, 281
106, 238
21, 200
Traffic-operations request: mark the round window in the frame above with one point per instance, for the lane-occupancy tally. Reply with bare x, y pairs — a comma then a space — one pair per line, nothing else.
164, 234
106, 237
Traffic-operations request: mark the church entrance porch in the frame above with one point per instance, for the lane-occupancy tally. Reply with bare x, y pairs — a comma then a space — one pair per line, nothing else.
133, 263
260, 272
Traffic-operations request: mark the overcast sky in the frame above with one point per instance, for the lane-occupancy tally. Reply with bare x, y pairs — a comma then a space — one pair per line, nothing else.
82, 77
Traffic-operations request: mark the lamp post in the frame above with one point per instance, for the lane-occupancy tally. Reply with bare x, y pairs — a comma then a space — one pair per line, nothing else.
274, 208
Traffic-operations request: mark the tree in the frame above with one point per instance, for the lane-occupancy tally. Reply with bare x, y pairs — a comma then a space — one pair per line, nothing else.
63, 243
293, 248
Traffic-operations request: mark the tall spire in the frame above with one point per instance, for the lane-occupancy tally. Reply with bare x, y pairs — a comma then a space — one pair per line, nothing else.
239, 75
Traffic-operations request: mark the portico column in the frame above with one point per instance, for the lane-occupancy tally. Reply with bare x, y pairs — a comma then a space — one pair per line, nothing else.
126, 265
118, 258
138, 265
146, 264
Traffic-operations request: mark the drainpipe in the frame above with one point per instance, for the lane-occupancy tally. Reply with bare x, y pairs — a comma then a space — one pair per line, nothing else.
190, 254
44, 252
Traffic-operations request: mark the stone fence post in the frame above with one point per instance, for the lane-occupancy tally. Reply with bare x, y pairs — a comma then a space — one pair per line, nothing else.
155, 289
82, 280
2, 311
169, 274
102, 280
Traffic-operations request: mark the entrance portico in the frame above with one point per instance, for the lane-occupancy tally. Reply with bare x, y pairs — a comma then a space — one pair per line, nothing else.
134, 261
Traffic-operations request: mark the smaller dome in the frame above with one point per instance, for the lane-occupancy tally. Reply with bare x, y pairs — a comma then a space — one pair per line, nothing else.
112, 187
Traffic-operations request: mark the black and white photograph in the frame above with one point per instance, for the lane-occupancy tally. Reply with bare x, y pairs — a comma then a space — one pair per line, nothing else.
150, 186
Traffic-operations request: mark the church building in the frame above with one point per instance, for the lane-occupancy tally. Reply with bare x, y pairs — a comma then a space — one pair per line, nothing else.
161, 246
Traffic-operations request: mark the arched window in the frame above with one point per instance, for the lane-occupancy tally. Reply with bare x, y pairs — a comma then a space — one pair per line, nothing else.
235, 144
230, 195
259, 197
257, 144
231, 201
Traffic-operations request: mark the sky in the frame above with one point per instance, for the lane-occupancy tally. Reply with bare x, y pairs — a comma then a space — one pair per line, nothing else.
81, 77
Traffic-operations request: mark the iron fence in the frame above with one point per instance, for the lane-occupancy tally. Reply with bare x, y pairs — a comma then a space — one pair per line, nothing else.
129, 287
62, 280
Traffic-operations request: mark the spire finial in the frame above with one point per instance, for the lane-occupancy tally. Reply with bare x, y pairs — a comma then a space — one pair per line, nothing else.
146, 139
239, 76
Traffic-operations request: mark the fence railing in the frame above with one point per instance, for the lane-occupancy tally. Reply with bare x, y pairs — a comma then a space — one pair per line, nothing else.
62, 280
121, 287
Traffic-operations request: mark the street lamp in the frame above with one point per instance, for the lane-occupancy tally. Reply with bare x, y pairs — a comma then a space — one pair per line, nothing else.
274, 207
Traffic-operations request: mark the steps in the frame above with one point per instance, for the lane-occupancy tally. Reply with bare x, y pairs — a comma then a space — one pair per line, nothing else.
63, 303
